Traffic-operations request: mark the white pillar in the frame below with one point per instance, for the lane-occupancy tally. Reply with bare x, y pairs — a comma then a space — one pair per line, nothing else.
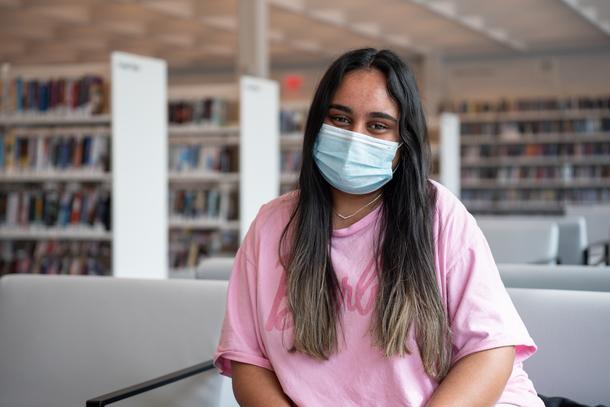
253, 55
450, 152
433, 71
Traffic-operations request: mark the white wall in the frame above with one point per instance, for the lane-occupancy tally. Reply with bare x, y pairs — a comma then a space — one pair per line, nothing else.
553, 75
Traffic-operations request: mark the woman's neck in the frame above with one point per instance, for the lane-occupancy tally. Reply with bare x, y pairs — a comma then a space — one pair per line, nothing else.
349, 208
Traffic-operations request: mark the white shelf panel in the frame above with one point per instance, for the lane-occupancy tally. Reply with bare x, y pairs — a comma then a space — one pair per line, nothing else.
533, 115
202, 223
291, 140
526, 184
520, 161
202, 130
533, 205
60, 176
78, 132
289, 177
542, 138
201, 176
52, 119
204, 139
54, 233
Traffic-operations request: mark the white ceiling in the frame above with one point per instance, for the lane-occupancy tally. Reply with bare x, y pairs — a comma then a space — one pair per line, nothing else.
202, 34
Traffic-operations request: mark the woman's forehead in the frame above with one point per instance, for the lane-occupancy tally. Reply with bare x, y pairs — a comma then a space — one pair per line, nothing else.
363, 91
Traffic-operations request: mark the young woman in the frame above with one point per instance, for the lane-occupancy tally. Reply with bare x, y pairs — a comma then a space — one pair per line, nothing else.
371, 285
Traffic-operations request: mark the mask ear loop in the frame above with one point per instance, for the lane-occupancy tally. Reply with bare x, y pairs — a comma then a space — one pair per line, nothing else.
397, 165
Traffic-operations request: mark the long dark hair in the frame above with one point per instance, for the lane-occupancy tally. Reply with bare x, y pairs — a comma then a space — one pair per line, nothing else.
408, 296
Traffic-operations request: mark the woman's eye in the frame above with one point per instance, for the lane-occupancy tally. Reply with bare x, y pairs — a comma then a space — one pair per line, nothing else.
378, 126
340, 119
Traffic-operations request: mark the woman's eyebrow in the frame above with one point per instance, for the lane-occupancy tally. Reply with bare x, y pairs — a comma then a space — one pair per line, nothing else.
378, 115
382, 115
341, 107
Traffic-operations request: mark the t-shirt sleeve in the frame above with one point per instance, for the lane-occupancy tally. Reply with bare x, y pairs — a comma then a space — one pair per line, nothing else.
480, 311
240, 338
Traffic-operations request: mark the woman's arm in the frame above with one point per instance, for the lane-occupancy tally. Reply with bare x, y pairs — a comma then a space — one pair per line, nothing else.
255, 386
476, 380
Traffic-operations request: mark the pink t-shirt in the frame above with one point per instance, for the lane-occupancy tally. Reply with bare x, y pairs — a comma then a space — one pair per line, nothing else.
257, 325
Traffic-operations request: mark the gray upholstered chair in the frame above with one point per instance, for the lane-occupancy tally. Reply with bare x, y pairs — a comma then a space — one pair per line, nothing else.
67, 339
572, 331
572, 240
558, 277
211, 268
519, 240
597, 218
215, 268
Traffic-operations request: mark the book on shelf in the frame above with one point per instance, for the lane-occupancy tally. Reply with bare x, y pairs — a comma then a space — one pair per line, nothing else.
195, 203
55, 257
188, 248
292, 121
84, 95
211, 111
20, 151
204, 158
290, 161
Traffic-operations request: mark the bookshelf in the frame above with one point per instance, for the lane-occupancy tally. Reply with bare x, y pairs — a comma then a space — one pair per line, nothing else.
221, 162
534, 156
67, 136
293, 115
204, 144
55, 176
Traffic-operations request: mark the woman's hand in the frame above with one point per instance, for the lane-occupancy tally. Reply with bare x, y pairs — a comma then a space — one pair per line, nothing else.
255, 386
476, 380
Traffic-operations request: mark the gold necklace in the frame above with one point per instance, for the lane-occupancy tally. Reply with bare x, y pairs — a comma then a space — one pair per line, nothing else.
345, 217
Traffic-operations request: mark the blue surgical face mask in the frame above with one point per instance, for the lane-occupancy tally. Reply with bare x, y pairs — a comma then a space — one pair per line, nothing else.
352, 162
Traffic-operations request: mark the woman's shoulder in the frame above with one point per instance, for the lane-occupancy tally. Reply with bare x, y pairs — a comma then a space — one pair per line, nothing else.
452, 221
275, 214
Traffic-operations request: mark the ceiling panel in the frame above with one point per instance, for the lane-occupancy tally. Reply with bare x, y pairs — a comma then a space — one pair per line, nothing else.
198, 34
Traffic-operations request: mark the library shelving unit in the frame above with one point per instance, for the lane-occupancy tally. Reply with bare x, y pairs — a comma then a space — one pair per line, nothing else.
57, 166
55, 170
293, 115
220, 151
204, 138
535, 156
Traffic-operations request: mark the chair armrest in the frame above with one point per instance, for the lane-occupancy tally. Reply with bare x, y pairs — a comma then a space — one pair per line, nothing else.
552, 260
605, 244
143, 387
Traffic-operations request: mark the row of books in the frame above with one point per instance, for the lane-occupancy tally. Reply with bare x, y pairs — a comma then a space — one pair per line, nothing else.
292, 121
87, 94
513, 129
565, 172
56, 207
55, 257
585, 195
207, 111
559, 150
24, 152
527, 105
290, 161
195, 203
187, 249
188, 157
